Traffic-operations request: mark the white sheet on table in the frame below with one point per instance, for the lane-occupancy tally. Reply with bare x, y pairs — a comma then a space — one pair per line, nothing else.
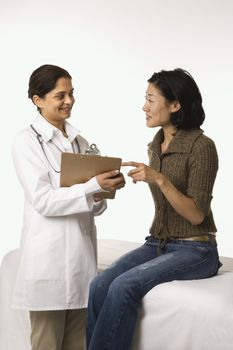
179, 315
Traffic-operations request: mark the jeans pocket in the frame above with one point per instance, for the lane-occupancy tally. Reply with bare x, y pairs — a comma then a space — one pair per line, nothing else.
204, 250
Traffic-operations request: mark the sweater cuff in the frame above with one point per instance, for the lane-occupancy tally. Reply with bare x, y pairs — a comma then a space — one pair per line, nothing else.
202, 200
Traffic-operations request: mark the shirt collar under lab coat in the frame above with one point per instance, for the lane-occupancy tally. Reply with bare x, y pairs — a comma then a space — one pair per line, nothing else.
47, 130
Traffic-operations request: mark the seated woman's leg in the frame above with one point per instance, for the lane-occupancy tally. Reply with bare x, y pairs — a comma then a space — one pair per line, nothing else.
100, 285
115, 319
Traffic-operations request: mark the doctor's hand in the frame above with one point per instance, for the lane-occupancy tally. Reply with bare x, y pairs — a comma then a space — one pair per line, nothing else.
111, 180
142, 172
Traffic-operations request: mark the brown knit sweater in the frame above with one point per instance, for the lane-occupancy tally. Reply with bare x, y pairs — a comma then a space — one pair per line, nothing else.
191, 164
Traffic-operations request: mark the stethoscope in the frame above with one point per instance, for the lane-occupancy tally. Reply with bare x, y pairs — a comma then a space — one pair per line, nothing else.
40, 140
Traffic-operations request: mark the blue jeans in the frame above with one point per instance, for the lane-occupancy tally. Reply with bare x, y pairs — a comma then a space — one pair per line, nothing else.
116, 293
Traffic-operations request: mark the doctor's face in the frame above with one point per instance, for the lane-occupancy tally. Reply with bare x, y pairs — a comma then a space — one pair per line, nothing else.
57, 104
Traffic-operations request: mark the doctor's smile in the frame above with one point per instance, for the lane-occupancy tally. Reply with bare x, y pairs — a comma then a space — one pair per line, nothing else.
65, 110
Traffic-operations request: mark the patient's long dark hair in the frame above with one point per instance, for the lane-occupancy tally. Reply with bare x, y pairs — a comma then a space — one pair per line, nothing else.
179, 85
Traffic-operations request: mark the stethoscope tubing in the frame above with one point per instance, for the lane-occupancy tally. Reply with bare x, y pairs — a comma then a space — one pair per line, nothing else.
39, 138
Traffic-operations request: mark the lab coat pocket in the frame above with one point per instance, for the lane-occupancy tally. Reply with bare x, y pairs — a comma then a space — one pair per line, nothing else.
46, 256
85, 221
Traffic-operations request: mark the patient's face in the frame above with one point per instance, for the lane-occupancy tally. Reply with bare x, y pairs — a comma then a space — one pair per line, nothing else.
157, 108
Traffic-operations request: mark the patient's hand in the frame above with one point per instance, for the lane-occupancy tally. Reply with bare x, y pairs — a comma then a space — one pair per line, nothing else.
142, 172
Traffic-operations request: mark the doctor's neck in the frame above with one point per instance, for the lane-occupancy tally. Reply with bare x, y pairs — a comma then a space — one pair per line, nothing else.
59, 124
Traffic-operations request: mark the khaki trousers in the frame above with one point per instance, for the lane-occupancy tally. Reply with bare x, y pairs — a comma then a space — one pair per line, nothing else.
58, 330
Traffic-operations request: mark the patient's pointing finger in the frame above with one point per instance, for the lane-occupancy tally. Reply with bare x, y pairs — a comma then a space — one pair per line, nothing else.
135, 164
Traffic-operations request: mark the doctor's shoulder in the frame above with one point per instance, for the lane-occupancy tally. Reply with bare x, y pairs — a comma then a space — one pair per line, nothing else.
24, 140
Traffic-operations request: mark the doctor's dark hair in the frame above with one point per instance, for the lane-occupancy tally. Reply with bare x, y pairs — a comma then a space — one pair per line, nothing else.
179, 85
44, 79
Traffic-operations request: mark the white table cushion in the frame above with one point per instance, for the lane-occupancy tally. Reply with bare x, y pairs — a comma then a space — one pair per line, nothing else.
178, 315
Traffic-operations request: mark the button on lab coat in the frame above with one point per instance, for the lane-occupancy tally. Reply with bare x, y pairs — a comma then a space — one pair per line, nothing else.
58, 242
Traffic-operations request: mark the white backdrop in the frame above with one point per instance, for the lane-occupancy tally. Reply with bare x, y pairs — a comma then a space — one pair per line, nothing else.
111, 48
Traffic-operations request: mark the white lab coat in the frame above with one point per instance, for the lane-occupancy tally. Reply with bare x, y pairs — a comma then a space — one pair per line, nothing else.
58, 244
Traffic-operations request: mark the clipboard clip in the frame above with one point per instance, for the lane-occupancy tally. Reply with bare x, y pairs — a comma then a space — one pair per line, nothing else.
92, 149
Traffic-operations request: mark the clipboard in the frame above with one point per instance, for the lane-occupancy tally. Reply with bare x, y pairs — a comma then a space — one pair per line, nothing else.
78, 168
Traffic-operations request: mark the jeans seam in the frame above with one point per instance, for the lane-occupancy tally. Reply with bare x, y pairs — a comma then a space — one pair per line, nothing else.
116, 324
181, 269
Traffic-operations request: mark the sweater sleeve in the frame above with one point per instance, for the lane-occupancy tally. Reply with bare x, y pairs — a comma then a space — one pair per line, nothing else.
203, 167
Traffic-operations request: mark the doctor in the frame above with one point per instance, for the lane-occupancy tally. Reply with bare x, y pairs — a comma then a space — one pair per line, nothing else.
58, 244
